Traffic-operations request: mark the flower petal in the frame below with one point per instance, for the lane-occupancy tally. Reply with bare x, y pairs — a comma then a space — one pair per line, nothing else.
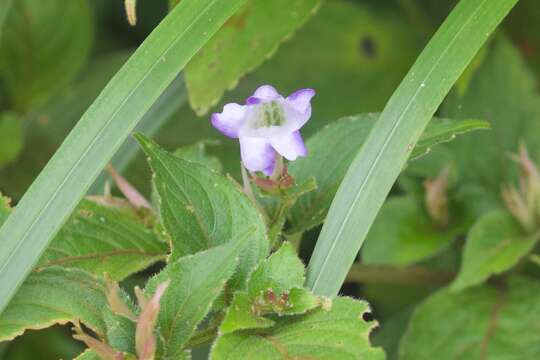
298, 106
263, 94
257, 154
230, 120
290, 146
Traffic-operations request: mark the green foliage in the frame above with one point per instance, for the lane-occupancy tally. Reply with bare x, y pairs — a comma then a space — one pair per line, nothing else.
311, 209
5, 209
11, 137
495, 243
335, 331
242, 44
403, 234
201, 209
105, 238
54, 295
479, 323
274, 287
503, 92
195, 282
198, 153
386, 150
32, 38
101, 130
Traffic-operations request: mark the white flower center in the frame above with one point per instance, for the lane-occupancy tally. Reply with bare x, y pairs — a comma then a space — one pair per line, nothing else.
267, 115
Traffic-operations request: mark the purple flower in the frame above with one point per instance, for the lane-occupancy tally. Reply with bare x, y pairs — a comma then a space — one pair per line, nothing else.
267, 125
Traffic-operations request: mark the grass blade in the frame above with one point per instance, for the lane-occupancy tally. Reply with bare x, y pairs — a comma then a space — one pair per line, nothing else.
100, 132
383, 155
170, 101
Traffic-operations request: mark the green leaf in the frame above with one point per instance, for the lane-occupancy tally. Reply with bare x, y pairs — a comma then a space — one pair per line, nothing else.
274, 287
5, 208
495, 243
404, 234
478, 323
120, 332
444, 130
11, 137
105, 239
385, 152
55, 295
100, 132
201, 209
244, 42
502, 88
240, 315
310, 210
337, 332
195, 282
198, 154
280, 272
88, 355
32, 38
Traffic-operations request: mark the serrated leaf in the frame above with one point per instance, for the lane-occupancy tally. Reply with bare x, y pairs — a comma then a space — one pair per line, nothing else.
330, 156
240, 315
478, 323
120, 332
11, 137
241, 45
403, 233
104, 239
32, 38
195, 282
335, 333
54, 296
274, 287
201, 209
494, 244
197, 153
282, 271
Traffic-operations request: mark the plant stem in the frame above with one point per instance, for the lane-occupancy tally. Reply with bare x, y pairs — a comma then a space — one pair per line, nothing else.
373, 274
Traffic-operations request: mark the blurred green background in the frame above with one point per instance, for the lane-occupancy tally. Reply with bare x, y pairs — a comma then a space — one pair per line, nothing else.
57, 55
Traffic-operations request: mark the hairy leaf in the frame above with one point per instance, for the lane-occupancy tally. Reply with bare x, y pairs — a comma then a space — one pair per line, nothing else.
330, 156
55, 295
201, 209
495, 243
478, 323
333, 332
195, 282
275, 287
244, 42
105, 239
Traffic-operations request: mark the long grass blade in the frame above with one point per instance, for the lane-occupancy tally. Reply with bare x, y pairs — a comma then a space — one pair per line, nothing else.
383, 155
100, 132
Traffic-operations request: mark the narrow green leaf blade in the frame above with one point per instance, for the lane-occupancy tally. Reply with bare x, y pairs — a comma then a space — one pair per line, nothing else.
103, 128
55, 295
385, 152
326, 148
